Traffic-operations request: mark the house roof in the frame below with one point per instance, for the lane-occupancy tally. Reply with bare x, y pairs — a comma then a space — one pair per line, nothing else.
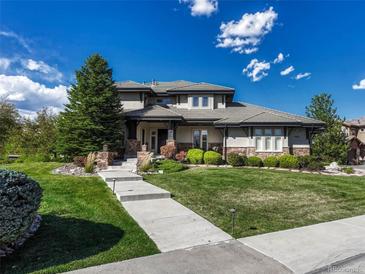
131, 85
175, 87
359, 122
235, 114
154, 112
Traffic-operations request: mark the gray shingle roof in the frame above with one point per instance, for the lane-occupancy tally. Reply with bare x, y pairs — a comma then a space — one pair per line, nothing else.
154, 112
173, 86
131, 85
235, 114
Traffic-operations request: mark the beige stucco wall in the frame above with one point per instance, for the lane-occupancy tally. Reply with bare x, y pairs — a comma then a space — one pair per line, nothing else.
298, 137
131, 101
184, 134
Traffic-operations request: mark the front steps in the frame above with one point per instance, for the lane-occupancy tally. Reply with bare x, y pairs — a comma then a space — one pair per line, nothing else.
130, 186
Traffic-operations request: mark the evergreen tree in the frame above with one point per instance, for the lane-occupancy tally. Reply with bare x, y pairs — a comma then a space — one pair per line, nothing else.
9, 120
94, 115
330, 145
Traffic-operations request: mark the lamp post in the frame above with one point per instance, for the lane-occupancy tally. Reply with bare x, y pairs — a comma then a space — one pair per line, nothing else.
233, 213
114, 185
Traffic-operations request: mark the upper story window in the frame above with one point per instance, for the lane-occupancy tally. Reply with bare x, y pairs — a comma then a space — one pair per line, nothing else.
195, 101
200, 101
205, 102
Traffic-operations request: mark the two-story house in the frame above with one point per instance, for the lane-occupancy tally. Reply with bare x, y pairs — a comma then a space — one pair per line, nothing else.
355, 133
203, 115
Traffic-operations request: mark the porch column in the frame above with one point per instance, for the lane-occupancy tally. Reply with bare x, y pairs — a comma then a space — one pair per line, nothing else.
133, 145
171, 133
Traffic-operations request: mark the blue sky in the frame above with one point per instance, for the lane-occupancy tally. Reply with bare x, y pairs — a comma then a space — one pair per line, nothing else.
232, 43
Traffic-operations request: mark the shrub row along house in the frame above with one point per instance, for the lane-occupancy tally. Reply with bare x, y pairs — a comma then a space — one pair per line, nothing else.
202, 115
355, 133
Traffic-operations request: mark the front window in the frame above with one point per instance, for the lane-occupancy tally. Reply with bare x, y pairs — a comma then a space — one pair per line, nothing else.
269, 139
195, 101
205, 101
196, 138
200, 139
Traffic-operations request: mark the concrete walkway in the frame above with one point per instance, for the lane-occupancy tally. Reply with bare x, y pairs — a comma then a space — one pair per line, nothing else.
169, 224
314, 248
228, 257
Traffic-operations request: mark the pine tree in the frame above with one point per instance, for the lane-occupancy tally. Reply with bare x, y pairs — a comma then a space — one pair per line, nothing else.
329, 145
94, 115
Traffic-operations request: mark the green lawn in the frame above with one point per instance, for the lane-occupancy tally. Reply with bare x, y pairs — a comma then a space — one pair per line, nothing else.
83, 225
265, 200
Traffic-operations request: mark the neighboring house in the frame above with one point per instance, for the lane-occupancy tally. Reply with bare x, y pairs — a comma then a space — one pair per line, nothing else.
355, 133
202, 115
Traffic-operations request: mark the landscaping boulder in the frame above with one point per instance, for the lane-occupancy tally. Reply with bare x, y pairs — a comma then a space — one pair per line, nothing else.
20, 197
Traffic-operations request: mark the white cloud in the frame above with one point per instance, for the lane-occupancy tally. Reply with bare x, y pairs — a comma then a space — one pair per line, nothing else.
17, 37
4, 63
361, 85
245, 35
256, 70
302, 75
279, 59
49, 73
30, 95
287, 71
201, 7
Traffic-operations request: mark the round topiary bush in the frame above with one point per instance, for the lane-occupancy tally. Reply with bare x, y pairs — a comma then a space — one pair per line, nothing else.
254, 161
212, 158
289, 161
234, 159
20, 198
195, 156
271, 161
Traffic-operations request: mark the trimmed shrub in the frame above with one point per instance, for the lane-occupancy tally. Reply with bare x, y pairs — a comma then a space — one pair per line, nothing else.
79, 161
288, 161
315, 165
181, 156
304, 161
168, 150
348, 170
169, 166
195, 156
254, 161
20, 197
234, 159
212, 158
271, 161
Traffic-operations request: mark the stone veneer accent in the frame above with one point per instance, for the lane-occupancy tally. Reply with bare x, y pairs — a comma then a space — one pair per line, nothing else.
133, 145
251, 151
302, 151
104, 159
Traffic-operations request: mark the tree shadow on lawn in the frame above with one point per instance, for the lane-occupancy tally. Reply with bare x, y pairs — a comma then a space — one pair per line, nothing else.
61, 240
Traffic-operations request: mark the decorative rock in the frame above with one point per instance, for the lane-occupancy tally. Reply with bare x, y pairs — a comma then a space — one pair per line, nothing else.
333, 167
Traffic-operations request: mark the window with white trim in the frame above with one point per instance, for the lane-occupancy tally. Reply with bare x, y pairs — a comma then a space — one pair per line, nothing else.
200, 139
195, 101
269, 139
205, 102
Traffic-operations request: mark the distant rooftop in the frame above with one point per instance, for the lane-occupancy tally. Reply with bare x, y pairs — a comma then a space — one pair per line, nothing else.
356, 122
179, 86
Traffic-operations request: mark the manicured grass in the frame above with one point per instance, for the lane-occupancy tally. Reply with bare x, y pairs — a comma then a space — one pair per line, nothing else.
265, 200
83, 225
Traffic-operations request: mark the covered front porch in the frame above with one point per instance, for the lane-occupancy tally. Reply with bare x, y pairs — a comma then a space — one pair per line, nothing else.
152, 135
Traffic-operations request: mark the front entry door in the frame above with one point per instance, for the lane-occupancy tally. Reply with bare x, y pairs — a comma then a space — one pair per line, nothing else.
162, 137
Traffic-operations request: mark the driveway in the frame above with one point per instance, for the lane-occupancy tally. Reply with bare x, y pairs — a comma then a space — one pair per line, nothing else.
226, 257
316, 247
